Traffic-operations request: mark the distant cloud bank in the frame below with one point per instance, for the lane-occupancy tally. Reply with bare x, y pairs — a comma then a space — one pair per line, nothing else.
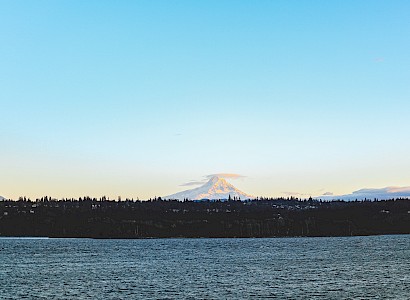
369, 193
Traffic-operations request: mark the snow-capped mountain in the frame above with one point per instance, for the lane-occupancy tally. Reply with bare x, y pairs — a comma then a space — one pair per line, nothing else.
215, 188
2, 198
391, 192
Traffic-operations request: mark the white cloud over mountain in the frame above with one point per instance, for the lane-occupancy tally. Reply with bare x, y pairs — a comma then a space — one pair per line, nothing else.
210, 176
225, 175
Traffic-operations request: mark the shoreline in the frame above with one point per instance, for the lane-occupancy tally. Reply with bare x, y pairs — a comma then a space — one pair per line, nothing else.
193, 238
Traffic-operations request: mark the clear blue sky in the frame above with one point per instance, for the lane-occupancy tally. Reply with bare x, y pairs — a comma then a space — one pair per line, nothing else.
134, 98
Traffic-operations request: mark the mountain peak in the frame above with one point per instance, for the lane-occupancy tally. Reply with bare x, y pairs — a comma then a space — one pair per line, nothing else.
215, 188
217, 180
214, 179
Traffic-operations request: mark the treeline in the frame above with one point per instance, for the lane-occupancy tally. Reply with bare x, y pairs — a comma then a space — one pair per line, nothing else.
129, 218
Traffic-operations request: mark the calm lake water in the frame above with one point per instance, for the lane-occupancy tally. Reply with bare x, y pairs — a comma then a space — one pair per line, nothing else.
375, 267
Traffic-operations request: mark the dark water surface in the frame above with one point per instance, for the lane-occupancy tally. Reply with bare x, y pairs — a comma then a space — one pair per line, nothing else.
376, 267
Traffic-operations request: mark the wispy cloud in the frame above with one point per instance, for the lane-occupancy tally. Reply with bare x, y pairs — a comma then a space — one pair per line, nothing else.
328, 194
189, 183
225, 175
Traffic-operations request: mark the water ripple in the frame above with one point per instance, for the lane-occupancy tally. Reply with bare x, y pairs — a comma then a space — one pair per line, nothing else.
282, 268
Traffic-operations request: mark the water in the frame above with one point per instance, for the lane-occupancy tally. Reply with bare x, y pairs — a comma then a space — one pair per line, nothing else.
375, 267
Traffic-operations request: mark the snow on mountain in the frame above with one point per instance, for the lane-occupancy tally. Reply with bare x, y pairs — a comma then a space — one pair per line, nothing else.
215, 188
2, 198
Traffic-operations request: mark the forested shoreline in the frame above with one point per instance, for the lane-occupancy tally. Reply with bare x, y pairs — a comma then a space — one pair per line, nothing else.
156, 218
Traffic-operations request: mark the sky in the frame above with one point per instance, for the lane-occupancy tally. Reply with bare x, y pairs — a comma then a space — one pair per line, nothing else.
137, 98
